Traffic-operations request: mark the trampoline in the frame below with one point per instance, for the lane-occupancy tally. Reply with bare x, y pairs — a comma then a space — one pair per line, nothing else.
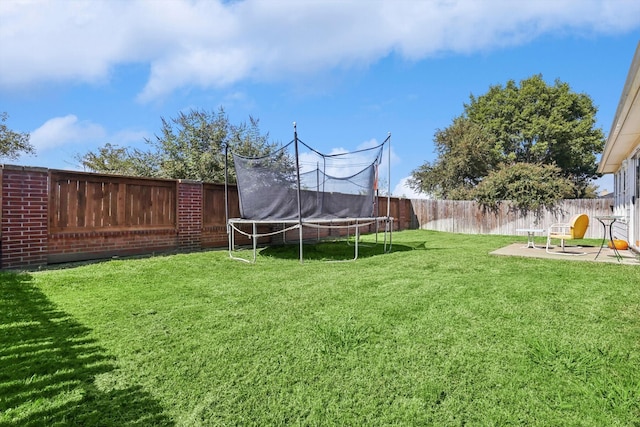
299, 190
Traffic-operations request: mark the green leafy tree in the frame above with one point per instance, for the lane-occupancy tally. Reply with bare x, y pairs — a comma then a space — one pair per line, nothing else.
189, 146
533, 123
123, 161
529, 187
538, 123
12, 143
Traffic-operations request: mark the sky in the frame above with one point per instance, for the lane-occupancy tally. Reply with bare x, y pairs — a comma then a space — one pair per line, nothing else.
78, 74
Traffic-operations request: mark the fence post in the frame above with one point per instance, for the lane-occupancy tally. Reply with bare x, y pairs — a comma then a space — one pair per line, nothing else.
189, 214
24, 227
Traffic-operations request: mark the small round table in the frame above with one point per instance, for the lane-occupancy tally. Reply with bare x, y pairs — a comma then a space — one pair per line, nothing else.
607, 224
531, 233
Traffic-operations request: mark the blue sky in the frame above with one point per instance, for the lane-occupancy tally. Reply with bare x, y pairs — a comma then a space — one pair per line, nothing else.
79, 74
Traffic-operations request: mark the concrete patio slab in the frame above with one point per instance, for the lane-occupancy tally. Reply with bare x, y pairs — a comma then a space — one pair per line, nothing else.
629, 257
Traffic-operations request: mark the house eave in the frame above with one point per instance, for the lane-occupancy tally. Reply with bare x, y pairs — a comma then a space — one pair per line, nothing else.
624, 137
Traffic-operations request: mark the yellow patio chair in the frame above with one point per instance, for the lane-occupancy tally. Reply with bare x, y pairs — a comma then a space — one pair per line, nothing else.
574, 229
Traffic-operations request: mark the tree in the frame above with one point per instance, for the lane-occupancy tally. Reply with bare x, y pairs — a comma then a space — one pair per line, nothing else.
119, 160
465, 155
190, 146
531, 123
530, 187
12, 143
538, 123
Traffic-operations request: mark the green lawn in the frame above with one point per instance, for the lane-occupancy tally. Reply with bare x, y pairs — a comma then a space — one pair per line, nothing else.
438, 332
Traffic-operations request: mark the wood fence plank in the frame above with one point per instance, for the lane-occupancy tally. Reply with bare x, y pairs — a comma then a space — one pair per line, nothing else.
81, 209
81, 201
63, 191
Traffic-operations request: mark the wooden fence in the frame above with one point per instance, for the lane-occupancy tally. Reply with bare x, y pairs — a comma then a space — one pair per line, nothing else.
213, 205
84, 201
51, 216
469, 218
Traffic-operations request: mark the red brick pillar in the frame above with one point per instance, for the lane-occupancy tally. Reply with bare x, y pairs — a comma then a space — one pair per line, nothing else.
189, 214
24, 217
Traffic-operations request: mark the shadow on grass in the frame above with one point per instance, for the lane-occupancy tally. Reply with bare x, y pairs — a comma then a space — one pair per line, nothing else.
340, 250
48, 367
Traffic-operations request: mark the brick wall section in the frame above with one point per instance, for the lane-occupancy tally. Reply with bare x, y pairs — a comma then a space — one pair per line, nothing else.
189, 215
67, 247
24, 216
214, 236
27, 241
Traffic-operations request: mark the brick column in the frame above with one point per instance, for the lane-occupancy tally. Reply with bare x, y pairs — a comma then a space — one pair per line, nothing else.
189, 214
24, 227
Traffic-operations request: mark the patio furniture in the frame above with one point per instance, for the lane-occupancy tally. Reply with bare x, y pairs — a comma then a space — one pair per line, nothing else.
574, 229
531, 233
607, 230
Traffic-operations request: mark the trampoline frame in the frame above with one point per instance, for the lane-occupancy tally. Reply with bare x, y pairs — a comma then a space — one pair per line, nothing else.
289, 225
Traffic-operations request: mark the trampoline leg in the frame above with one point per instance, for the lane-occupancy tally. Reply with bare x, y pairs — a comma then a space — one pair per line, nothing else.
232, 243
377, 230
388, 229
255, 241
300, 243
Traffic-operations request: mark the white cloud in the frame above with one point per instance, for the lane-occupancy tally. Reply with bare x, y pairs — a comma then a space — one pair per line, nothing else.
213, 43
73, 136
354, 160
60, 131
402, 189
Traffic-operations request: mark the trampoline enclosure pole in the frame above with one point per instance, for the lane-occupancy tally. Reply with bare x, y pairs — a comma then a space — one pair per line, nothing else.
295, 137
388, 223
389, 178
226, 186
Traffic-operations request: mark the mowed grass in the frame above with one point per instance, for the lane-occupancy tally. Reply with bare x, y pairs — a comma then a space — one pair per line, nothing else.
438, 332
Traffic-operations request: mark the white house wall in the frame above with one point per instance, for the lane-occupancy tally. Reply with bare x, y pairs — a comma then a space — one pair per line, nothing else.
621, 157
626, 201
634, 199
635, 229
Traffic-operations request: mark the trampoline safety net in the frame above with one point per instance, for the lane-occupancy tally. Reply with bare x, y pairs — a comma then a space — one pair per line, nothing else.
329, 186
